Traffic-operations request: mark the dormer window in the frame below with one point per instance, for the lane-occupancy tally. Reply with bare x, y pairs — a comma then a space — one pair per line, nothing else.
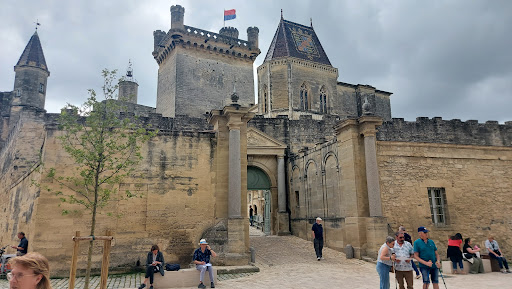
18, 92
41, 88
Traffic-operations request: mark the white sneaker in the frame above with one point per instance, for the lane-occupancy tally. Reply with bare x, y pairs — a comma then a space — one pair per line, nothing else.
503, 271
318, 258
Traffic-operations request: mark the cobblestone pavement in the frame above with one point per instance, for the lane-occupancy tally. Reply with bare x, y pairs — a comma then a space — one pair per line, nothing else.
289, 262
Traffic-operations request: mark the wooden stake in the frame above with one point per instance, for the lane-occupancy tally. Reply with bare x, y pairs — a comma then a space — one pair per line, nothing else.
74, 258
105, 261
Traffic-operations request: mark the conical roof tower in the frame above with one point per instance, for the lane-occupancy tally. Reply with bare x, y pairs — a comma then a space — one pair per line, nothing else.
31, 75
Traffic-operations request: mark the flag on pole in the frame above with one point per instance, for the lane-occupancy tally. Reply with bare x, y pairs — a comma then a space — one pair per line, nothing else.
229, 14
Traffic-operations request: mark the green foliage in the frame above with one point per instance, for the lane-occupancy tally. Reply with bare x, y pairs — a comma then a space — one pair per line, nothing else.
104, 147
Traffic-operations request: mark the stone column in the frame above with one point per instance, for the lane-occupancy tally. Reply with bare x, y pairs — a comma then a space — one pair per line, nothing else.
235, 171
281, 188
369, 124
282, 215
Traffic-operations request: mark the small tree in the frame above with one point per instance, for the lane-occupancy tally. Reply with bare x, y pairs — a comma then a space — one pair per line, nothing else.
105, 148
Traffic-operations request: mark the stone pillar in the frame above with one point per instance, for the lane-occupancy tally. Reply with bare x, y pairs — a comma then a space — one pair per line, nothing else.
230, 165
281, 193
235, 171
369, 124
282, 215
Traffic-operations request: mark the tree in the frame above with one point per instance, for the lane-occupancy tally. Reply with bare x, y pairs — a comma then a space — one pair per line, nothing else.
105, 148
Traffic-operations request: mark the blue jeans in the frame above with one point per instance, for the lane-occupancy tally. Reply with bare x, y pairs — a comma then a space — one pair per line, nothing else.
383, 271
425, 272
415, 268
501, 260
454, 265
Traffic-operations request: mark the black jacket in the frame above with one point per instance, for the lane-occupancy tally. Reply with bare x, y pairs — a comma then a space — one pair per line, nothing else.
159, 258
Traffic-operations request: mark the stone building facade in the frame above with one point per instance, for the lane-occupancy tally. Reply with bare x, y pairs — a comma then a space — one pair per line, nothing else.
312, 146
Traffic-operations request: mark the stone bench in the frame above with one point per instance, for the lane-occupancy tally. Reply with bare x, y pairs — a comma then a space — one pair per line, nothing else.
182, 278
448, 268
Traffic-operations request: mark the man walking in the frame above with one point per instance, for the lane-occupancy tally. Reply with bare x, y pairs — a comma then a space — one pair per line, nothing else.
318, 237
22, 246
403, 263
425, 252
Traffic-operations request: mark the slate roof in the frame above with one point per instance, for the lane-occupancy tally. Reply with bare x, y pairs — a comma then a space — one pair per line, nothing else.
296, 40
33, 54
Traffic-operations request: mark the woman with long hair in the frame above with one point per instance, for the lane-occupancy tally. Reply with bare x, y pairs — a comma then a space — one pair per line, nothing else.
454, 252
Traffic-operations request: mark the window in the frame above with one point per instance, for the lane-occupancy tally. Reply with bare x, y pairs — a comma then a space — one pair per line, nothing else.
41, 88
18, 92
297, 198
265, 100
323, 100
437, 200
304, 103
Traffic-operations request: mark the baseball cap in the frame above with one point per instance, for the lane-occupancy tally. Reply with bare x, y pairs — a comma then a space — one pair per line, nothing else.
423, 229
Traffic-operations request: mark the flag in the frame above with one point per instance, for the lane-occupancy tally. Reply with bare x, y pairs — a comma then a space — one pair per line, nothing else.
229, 14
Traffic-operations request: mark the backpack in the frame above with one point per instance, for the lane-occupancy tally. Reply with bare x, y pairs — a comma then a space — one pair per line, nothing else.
172, 267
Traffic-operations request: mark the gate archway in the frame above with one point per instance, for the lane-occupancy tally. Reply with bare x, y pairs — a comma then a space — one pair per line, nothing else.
258, 186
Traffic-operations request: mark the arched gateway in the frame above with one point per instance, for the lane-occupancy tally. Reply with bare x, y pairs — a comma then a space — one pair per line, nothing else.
266, 186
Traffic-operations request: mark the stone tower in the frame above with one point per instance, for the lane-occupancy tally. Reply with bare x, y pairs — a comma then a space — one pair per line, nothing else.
31, 76
198, 68
128, 86
297, 77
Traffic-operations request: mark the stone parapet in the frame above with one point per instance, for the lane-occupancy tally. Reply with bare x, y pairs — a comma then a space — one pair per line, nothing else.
455, 131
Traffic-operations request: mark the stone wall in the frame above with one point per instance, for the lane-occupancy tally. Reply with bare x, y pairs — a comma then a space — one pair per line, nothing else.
298, 134
476, 180
193, 82
288, 75
437, 130
174, 208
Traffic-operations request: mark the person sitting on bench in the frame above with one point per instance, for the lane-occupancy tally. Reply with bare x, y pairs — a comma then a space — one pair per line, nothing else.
155, 263
202, 261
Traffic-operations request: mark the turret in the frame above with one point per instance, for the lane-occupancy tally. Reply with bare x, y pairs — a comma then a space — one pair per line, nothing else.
31, 76
177, 15
128, 87
229, 31
158, 35
252, 36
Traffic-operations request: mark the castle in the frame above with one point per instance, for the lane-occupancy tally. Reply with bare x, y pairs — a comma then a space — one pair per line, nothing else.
312, 146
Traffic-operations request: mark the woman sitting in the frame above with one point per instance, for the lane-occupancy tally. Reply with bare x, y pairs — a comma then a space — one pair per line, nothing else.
386, 257
470, 254
30, 271
455, 254
155, 263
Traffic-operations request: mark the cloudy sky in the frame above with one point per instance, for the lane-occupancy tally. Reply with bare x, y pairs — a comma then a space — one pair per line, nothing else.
439, 58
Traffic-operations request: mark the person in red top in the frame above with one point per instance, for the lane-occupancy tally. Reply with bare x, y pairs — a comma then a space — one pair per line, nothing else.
454, 252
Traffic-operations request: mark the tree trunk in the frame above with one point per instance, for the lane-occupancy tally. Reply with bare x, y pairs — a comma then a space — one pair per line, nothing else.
93, 227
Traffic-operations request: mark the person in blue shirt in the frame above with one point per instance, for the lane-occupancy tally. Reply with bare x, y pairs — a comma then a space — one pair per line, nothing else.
425, 252
22, 246
202, 261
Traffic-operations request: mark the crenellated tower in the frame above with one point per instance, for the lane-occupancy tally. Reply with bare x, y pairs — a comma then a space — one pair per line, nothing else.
198, 68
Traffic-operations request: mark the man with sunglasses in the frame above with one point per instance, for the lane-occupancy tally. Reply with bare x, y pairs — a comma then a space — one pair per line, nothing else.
403, 263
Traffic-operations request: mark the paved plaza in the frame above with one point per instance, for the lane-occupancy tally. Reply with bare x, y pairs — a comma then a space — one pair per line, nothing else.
289, 262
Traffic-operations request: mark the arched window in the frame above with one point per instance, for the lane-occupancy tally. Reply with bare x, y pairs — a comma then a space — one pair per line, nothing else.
304, 102
323, 100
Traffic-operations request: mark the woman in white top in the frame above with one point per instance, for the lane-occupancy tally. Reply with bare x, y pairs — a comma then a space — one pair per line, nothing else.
385, 260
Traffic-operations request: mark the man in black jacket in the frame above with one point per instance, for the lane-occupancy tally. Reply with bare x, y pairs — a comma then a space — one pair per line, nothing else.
154, 263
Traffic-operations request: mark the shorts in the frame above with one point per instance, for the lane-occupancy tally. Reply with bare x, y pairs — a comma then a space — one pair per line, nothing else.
433, 272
